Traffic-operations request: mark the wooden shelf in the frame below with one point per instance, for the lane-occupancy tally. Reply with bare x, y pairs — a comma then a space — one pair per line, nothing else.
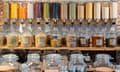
66, 48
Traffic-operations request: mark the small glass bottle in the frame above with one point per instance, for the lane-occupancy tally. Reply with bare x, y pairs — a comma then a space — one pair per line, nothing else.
33, 64
40, 38
26, 37
103, 64
53, 63
71, 39
10, 61
56, 37
12, 37
77, 63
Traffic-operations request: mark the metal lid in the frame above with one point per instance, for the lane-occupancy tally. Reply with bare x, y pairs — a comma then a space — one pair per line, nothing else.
79, 56
55, 56
10, 57
33, 56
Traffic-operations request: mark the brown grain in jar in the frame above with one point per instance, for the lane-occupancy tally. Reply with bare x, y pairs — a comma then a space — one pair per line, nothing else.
2, 41
97, 41
56, 42
111, 42
83, 42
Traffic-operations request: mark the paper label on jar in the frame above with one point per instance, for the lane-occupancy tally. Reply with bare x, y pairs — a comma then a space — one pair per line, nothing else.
83, 41
41, 41
98, 42
112, 41
73, 41
12, 40
26, 40
51, 70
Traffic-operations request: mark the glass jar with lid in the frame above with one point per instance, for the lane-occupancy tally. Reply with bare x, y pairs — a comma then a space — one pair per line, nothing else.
71, 39
26, 36
12, 37
103, 64
64, 33
40, 38
98, 36
10, 63
77, 63
83, 38
33, 63
53, 63
56, 37
111, 37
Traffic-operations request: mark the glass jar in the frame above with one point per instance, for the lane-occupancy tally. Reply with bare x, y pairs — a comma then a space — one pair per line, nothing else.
40, 38
98, 39
33, 63
26, 37
111, 36
10, 62
71, 39
117, 68
56, 37
53, 63
12, 37
77, 63
103, 64
64, 33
